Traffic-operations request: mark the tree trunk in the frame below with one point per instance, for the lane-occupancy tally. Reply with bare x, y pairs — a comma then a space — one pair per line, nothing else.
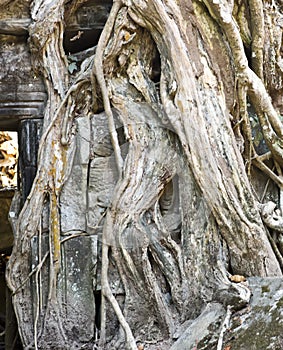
147, 202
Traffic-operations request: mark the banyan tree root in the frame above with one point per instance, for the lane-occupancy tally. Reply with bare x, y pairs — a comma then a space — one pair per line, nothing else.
182, 201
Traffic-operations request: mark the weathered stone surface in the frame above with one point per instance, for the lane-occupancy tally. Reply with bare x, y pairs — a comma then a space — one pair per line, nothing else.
92, 178
102, 171
76, 288
101, 143
73, 199
203, 330
22, 93
84, 26
256, 327
73, 202
260, 326
93, 14
102, 181
83, 140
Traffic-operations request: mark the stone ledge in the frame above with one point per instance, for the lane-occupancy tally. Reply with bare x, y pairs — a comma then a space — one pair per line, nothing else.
256, 327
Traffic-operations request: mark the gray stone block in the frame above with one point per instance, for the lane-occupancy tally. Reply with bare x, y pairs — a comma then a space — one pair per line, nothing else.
83, 140
73, 201
76, 287
201, 328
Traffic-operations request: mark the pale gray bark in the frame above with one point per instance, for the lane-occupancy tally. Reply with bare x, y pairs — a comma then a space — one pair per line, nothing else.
161, 197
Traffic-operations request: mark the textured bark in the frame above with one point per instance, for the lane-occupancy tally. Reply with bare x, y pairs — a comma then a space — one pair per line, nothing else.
170, 202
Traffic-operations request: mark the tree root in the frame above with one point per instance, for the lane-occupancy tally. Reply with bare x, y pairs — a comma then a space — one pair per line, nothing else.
206, 169
271, 218
242, 100
257, 26
263, 167
224, 327
268, 117
163, 310
106, 292
276, 250
35, 270
98, 71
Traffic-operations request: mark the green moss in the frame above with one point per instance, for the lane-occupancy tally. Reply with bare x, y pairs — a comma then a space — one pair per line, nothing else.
210, 341
263, 329
280, 303
265, 289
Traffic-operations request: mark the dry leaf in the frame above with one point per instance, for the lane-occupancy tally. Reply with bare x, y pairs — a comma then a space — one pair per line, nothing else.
127, 36
237, 278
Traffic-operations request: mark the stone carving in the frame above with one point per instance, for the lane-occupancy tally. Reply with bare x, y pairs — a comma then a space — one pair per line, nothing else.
22, 94
92, 15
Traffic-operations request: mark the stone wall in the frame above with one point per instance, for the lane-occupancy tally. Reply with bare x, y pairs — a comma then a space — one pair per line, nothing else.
22, 94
